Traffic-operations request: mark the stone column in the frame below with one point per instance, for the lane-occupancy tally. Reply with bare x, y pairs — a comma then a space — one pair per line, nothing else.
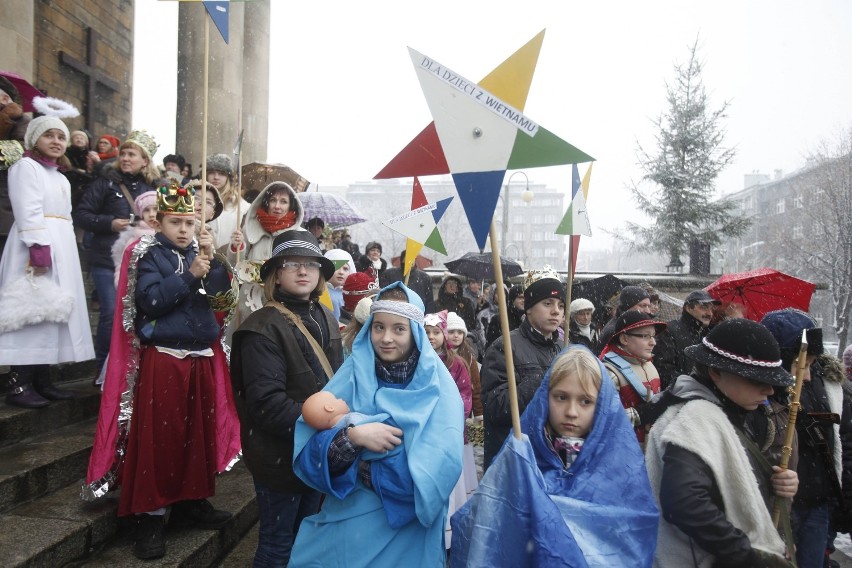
17, 36
225, 83
256, 81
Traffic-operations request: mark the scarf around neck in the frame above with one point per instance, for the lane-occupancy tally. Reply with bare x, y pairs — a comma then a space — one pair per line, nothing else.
273, 223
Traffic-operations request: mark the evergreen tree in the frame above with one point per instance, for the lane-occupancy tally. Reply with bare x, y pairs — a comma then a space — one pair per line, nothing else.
683, 167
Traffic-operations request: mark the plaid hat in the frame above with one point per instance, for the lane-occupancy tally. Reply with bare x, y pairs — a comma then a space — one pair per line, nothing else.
632, 319
357, 286
743, 348
456, 323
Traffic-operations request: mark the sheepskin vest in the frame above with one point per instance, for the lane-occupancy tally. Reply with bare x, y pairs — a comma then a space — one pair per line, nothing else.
702, 428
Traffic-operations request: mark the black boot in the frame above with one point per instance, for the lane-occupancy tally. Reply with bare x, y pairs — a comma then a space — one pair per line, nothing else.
21, 392
199, 513
150, 542
44, 386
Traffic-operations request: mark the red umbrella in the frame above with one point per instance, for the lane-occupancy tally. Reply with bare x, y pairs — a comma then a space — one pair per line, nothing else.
762, 291
25, 90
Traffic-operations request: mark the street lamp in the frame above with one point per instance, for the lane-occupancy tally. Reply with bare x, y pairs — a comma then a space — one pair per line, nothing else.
526, 196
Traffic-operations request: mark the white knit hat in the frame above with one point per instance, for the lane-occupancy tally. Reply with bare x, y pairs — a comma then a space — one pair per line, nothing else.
340, 254
580, 304
39, 126
362, 309
455, 322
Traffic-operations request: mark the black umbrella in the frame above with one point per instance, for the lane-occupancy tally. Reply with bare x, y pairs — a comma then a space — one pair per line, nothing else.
598, 290
479, 266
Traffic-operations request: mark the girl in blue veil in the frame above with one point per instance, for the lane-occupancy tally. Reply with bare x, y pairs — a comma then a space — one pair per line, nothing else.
563, 495
388, 476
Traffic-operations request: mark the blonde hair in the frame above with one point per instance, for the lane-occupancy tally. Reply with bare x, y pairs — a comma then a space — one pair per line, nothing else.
349, 333
270, 285
229, 193
149, 171
577, 363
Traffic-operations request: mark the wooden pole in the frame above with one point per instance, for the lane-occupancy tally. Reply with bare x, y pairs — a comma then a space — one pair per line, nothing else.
787, 449
204, 122
507, 339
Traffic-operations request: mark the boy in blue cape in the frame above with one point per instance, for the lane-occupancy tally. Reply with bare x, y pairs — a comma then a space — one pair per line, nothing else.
387, 483
565, 494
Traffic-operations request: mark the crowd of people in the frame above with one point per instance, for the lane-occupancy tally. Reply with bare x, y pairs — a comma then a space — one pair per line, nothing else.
222, 315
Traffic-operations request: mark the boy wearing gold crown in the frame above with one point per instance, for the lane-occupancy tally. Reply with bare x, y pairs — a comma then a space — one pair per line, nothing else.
160, 429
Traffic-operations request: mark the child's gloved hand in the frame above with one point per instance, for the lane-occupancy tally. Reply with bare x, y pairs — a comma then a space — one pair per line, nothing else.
237, 240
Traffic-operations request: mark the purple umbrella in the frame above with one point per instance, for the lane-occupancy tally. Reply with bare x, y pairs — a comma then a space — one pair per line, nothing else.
334, 210
26, 91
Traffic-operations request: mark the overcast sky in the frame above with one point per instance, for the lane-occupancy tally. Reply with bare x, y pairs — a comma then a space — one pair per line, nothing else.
600, 80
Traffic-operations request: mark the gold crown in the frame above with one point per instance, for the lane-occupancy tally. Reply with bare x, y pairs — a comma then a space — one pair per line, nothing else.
535, 275
176, 200
145, 141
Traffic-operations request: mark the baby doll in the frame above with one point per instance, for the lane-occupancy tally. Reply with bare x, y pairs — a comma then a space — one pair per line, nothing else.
322, 410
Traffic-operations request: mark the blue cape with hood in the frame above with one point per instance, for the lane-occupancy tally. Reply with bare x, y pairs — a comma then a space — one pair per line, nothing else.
529, 511
401, 520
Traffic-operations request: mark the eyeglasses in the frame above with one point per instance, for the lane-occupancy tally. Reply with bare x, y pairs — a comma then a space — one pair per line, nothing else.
645, 336
294, 266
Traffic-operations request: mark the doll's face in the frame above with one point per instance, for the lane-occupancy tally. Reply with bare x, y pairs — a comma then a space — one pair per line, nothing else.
322, 410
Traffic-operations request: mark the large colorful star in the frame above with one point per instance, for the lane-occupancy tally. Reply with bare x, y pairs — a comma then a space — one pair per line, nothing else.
420, 225
479, 131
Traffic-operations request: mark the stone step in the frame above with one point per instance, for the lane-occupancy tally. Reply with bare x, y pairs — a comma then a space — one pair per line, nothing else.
45, 463
62, 530
193, 547
17, 424
242, 555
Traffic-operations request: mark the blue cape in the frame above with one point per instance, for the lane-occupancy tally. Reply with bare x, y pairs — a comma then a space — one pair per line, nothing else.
528, 511
404, 514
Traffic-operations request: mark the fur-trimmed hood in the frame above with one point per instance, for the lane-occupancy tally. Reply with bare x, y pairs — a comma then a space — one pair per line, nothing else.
253, 231
832, 368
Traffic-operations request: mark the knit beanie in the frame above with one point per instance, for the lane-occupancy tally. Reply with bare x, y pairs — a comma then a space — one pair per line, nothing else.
355, 288
84, 133
339, 254
438, 320
456, 323
786, 326
39, 126
579, 305
113, 141
144, 200
540, 285
630, 296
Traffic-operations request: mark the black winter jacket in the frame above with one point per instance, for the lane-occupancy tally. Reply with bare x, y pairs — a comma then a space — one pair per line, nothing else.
669, 358
102, 202
273, 371
456, 303
533, 353
574, 336
418, 281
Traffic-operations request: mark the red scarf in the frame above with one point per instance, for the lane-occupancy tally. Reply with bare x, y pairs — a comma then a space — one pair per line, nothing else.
273, 223
108, 155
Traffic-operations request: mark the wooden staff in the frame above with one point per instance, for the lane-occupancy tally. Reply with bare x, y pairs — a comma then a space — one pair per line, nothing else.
801, 364
569, 283
504, 328
204, 122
